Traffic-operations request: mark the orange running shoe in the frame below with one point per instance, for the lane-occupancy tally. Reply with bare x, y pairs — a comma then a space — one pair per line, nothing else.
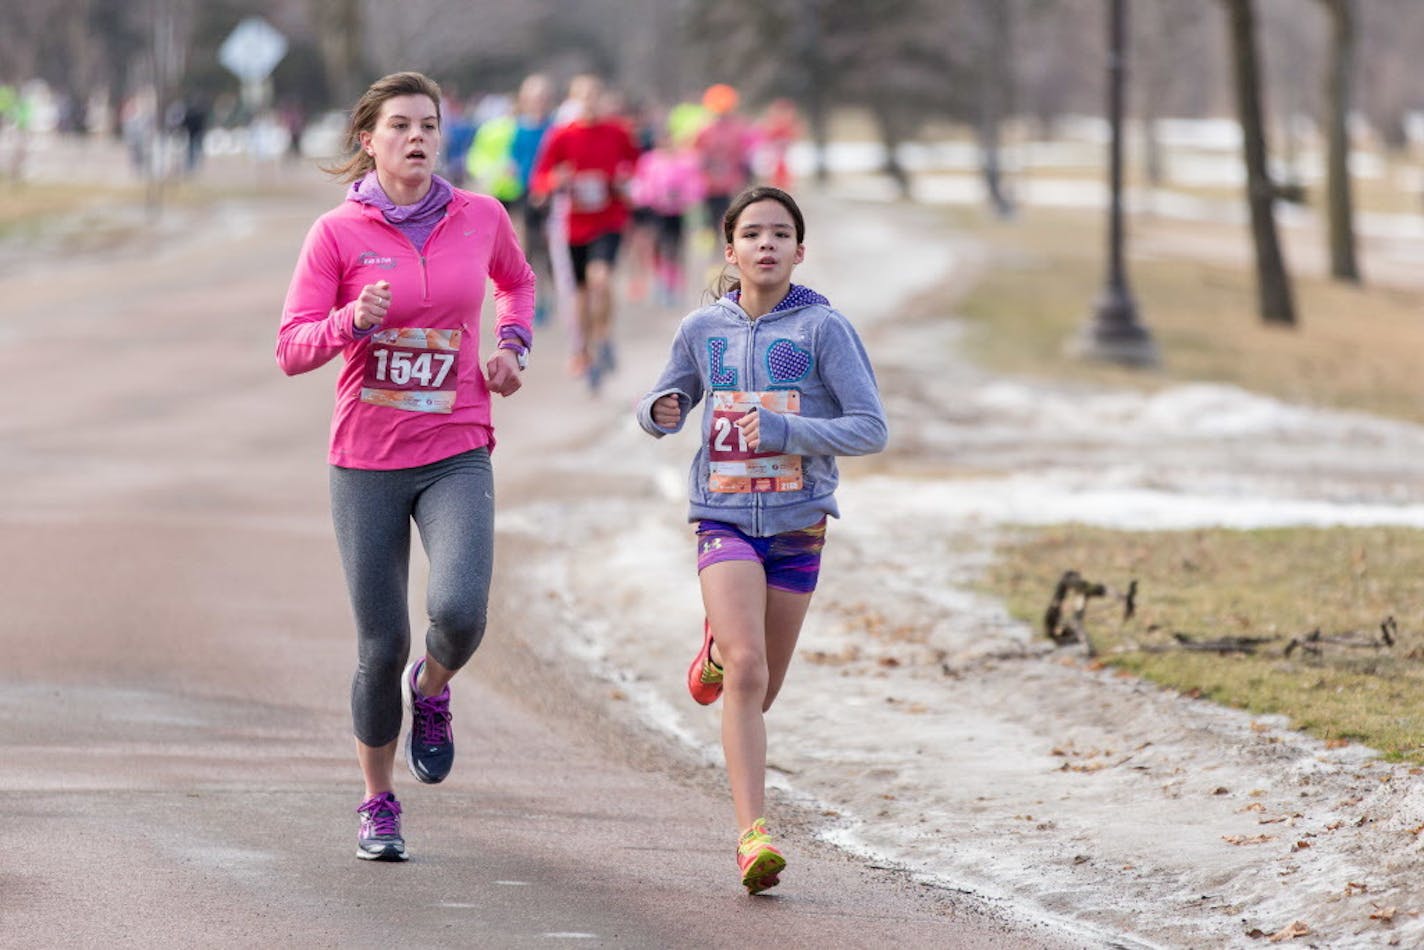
704, 678
760, 863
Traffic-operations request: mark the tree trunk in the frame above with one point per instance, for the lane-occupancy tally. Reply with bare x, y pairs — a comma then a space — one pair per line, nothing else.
813, 97
1343, 265
995, 86
889, 125
341, 36
1272, 282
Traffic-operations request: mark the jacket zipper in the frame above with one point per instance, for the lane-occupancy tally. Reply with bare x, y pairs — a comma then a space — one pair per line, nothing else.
751, 387
424, 270
419, 253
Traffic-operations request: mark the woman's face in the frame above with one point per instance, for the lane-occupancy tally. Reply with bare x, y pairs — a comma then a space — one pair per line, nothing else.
764, 248
406, 139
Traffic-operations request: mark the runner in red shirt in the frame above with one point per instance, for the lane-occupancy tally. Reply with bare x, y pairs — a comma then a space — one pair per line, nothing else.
591, 159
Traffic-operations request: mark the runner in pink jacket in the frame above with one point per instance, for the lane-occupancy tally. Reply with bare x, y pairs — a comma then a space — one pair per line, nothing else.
393, 281
443, 402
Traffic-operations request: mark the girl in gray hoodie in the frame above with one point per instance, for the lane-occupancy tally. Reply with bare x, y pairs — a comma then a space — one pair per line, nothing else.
788, 387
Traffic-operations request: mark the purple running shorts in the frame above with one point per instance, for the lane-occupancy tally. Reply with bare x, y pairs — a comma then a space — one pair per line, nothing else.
792, 560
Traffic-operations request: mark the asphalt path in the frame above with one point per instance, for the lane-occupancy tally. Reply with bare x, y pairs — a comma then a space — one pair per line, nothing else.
175, 745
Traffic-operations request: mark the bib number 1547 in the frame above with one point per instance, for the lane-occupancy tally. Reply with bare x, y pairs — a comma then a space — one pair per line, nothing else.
412, 369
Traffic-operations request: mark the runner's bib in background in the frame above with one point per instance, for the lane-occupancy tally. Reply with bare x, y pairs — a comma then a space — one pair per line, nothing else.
734, 467
412, 369
590, 191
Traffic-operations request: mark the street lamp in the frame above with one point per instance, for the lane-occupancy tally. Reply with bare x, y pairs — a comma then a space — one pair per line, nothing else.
1115, 334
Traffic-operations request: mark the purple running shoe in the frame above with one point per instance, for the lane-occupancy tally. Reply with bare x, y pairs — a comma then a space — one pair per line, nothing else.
430, 744
380, 836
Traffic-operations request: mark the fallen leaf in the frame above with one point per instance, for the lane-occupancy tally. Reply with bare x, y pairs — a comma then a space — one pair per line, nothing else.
1086, 767
1297, 929
1353, 887
1385, 914
1260, 727
1336, 743
1254, 806
1243, 839
1300, 845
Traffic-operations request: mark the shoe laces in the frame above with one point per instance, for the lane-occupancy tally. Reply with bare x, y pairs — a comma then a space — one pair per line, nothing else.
431, 721
381, 814
755, 838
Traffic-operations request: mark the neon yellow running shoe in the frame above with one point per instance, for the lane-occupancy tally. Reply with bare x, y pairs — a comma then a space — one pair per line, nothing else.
760, 862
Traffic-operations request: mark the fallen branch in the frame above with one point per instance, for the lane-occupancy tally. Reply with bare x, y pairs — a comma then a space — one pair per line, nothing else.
1311, 643
1063, 620
1222, 644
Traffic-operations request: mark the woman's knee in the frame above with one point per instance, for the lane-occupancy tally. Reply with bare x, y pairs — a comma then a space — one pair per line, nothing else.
460, 626
381, 661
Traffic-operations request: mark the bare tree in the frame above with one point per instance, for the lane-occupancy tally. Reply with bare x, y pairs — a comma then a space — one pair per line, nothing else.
882, 57
996, 80
1338, 80
1169, 44
341, 32
1273, 286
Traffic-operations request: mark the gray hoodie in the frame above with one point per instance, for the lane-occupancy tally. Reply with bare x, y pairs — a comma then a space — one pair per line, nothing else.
804, 351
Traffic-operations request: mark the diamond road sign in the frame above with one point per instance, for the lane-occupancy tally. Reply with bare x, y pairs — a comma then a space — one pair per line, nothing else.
252, 49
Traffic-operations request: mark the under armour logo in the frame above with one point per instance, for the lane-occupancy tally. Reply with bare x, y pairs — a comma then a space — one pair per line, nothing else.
712, 544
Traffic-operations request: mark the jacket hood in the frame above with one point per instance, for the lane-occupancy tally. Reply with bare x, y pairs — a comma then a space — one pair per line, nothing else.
796, 298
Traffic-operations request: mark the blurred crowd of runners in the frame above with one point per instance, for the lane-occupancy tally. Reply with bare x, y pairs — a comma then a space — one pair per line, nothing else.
596, 180
600, 184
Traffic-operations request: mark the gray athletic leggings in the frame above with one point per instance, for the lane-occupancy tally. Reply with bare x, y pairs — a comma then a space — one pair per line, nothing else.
452, 503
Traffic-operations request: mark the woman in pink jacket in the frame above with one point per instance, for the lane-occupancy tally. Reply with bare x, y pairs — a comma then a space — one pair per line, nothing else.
392, 281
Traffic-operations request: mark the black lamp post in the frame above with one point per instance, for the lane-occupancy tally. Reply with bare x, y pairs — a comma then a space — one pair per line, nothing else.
1115, 333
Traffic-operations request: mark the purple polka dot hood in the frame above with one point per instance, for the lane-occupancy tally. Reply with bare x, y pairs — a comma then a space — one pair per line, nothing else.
805, 366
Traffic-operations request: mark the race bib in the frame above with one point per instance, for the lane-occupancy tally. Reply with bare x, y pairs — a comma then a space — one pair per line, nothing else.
412, 369
735, 468
590, 191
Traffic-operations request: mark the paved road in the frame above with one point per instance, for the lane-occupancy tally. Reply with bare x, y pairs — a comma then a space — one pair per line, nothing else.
174, 734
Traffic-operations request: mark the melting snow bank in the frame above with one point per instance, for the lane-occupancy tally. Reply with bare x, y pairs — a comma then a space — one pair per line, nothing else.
1093, 498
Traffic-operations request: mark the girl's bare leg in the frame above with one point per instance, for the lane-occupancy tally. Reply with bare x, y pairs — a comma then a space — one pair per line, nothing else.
756, 631
785, 612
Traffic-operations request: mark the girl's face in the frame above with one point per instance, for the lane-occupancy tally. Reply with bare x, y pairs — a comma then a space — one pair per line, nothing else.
764, 248
406, 139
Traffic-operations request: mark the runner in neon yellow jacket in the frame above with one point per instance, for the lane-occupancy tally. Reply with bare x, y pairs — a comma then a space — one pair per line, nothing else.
490, 160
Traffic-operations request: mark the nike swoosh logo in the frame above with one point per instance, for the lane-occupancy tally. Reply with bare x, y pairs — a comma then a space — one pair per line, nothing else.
469, 232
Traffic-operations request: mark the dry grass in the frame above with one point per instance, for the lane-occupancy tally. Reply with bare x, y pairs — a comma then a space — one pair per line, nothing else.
1280, 583
1352, 350
1197, 297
